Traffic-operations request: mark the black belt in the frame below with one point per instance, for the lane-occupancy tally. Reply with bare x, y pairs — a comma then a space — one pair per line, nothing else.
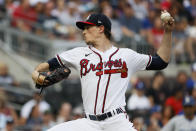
105, 115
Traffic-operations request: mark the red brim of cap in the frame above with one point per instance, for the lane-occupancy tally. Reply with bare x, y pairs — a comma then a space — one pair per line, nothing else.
82, 24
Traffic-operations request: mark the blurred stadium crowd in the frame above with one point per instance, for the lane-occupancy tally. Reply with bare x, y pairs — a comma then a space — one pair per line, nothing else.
133, 21
151, 101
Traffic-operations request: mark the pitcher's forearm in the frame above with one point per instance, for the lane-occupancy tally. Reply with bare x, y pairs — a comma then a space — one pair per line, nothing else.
166, 45
42, 67
164, 50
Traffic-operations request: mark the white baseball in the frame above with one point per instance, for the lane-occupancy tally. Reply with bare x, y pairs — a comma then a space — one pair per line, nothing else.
165, 16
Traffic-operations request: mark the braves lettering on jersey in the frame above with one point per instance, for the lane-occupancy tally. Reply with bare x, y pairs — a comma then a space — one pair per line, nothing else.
104, 75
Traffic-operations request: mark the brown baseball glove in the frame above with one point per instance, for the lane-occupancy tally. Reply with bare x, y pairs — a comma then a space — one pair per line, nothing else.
52, 77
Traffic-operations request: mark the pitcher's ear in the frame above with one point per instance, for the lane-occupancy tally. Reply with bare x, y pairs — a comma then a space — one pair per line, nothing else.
101, 27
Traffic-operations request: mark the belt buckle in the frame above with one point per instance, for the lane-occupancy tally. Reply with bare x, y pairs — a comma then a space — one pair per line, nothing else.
102, 117
97, 117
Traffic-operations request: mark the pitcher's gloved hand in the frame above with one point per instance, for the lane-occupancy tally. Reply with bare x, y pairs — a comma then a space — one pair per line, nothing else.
52, 77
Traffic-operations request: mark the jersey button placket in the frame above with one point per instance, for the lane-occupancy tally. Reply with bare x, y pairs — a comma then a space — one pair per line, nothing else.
100, 77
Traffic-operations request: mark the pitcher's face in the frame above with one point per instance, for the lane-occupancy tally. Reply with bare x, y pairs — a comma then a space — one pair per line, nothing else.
90, 34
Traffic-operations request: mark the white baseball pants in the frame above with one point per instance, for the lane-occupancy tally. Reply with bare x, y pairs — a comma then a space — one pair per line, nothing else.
115, 123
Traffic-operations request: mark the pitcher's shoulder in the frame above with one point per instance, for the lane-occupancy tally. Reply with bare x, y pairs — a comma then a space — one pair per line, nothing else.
126, 50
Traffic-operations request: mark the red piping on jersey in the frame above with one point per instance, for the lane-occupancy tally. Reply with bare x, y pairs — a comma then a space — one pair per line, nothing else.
124, 112
97, 93
149, 61
95, 106
60, 60
108, 82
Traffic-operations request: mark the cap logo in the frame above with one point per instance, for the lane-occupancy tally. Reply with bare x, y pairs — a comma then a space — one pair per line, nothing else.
99, 22
87, 18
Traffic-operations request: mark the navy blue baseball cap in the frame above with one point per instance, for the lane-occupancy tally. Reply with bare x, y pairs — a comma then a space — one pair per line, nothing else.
188, 101
95, 20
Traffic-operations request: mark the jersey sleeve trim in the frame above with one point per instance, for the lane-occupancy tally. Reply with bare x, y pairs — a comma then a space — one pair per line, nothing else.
59, 60
53, 64
149, 61
157, 63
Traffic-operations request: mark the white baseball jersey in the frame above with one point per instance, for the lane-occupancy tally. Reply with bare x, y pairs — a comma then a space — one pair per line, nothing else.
104, 75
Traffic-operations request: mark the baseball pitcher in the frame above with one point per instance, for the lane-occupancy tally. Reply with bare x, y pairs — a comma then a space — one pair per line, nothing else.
105, 71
